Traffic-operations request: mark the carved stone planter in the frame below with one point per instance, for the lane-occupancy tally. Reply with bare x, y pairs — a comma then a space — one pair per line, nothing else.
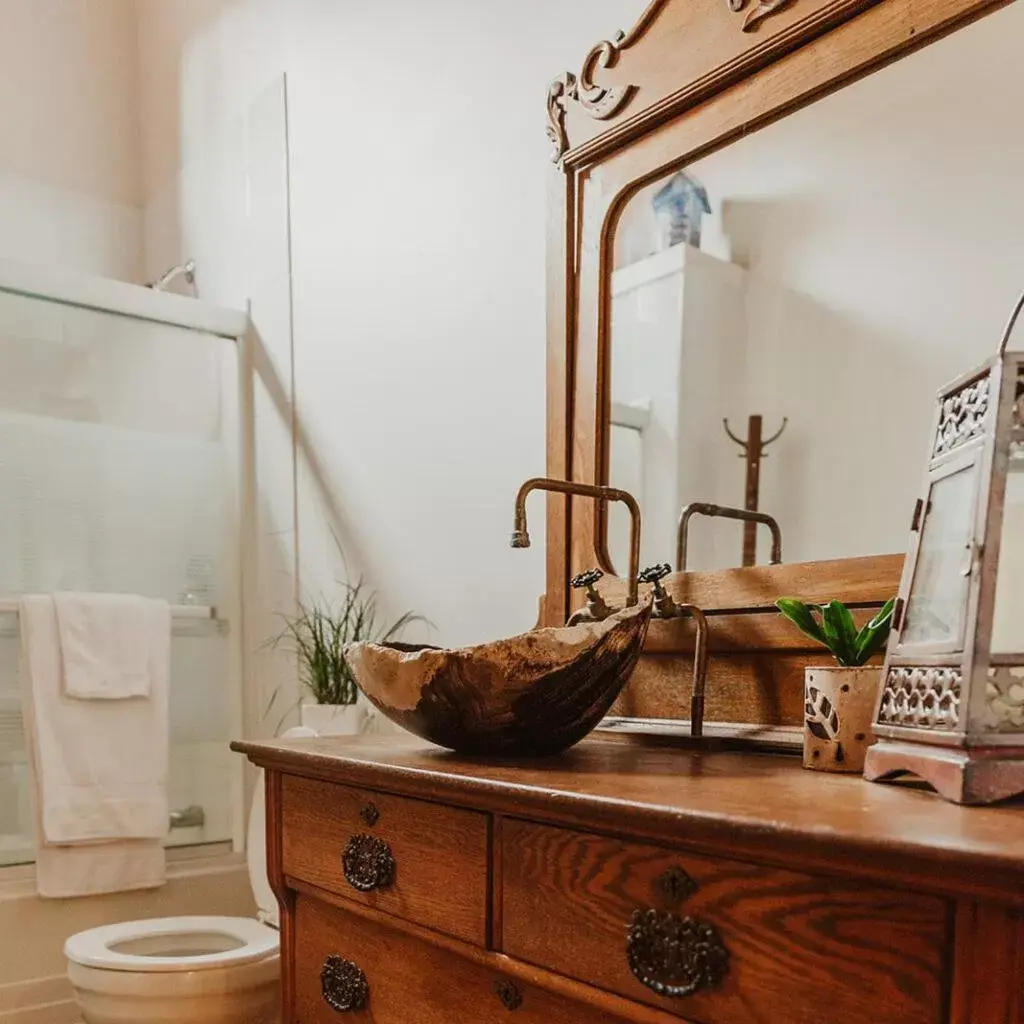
839, 705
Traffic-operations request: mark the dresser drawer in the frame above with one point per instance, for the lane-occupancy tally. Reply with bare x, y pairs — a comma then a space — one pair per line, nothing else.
420, 861
405, 979
758, 944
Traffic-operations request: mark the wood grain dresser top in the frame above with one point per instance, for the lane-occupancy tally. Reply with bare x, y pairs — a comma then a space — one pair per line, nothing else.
758, 804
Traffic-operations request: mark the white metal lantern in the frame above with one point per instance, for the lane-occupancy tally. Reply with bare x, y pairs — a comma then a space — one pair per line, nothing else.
951, 705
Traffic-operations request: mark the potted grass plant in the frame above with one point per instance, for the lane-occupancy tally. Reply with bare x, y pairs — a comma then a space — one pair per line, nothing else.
332, 704
839, 699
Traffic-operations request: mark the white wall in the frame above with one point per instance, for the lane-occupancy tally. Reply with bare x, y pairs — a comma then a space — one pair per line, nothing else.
418, 160
70, 187
885, 238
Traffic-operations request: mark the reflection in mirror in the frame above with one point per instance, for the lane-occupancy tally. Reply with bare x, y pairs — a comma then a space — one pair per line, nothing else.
830, 272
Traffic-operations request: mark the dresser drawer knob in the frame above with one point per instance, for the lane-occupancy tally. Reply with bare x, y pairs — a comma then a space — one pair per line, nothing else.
344, 985
674, 956
508, 994
368, 863
370, 814
676, 885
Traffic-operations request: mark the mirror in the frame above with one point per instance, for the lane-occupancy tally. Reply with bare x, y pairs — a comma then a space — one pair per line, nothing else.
828, 273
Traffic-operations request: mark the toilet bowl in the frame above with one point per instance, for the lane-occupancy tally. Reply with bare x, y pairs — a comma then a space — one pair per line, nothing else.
203, 970
186, 970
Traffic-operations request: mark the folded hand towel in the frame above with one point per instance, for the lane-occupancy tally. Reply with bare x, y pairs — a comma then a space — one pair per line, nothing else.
108, 643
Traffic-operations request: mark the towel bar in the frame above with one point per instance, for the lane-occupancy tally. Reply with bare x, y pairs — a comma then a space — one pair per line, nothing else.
178, 611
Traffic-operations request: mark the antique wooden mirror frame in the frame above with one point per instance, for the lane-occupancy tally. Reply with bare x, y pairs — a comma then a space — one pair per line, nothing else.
688, 78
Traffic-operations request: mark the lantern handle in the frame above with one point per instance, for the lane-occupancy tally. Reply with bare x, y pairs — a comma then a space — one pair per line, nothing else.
1011, 323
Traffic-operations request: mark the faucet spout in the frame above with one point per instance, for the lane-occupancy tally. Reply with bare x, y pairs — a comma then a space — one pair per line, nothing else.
521, 535
700, 667
666, 607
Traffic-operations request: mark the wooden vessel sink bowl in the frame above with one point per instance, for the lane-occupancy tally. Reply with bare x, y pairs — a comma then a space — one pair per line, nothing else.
529, 695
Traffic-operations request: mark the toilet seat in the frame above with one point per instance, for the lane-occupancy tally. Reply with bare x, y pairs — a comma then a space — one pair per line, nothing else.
250, 941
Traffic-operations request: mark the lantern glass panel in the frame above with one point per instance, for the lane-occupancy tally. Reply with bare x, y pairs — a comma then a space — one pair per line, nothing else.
937, 606
1008, 616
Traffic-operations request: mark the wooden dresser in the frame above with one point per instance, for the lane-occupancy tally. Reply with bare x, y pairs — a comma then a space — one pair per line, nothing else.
633, 882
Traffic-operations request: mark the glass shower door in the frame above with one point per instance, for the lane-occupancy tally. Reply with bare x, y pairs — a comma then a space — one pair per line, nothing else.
118, 469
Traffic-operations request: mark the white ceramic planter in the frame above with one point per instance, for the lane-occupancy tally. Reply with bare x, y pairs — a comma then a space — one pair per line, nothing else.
336, 719
839, 705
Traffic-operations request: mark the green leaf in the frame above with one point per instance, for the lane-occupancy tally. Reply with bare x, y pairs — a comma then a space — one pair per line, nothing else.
841, 631
873, 637
400, 623
802, 617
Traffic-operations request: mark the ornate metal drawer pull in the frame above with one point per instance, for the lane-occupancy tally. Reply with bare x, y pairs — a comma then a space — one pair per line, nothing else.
368, 863
344, 985
674, 956
508, 993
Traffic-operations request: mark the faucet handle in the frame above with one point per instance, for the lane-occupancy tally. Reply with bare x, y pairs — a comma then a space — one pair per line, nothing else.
655, 574
597, 608
664, 606
585, 579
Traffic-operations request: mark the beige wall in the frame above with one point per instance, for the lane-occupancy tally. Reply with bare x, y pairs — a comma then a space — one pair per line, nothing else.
69, 102
70, 174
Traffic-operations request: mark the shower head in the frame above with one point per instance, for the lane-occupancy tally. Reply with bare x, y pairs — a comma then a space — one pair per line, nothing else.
186, 270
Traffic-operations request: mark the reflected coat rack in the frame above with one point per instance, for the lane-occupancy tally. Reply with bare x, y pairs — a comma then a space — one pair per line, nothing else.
753, 449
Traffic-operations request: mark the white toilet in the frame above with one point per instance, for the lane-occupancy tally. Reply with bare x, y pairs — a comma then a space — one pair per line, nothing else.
172, 970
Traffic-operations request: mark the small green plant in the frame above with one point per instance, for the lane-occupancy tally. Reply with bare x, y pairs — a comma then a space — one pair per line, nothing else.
832, 625
318, 635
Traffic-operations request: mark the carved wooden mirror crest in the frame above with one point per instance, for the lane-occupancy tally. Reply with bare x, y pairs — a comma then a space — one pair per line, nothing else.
602, 102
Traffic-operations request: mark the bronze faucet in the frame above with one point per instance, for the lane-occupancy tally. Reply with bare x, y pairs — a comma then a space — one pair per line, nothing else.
666, 607
707, 508
521, 537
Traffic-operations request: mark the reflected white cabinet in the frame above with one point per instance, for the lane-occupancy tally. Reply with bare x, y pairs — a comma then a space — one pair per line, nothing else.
678, 347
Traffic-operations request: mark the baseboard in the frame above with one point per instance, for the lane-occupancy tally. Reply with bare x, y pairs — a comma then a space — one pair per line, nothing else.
39, 1001
50, 1013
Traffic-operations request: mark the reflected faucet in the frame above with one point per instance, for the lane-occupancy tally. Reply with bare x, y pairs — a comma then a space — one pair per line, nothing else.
521, 536
707, 508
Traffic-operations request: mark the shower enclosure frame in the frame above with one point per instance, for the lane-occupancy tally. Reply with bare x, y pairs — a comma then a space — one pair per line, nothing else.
84, 291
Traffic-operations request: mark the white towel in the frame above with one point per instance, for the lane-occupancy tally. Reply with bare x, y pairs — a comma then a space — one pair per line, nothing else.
99, 769
107, 643
96, 869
